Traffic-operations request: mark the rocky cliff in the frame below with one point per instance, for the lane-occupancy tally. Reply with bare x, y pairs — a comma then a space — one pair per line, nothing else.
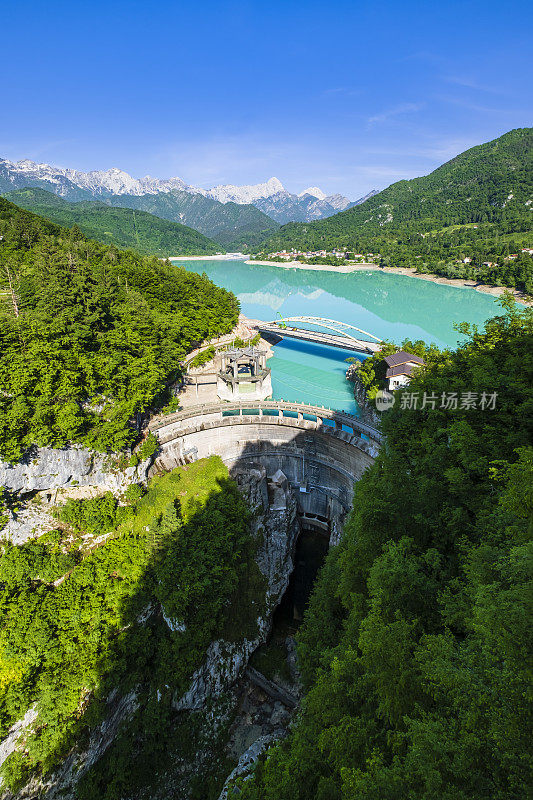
276, 526
47, 468
55, 475
216, 689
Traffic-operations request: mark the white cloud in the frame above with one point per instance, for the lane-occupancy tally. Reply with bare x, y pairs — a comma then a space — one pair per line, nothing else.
394, 111
342, 91
474, 107
468, 82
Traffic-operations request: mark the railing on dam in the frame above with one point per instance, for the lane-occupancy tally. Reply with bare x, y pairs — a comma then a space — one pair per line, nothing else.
268, 412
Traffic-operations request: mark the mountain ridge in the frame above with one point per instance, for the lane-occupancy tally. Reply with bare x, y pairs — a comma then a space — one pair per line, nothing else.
471, 218
75, 186
146, 233
446, 189
235, 227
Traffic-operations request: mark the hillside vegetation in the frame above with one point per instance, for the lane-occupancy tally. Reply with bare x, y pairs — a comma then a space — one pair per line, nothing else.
90, 336
86, 621
146, 233
478, 205
233, 226
415, 650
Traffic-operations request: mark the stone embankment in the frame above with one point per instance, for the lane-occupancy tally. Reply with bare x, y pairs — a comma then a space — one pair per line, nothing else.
240, 331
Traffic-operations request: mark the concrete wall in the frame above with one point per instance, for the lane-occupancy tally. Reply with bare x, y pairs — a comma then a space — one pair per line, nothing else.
321, 462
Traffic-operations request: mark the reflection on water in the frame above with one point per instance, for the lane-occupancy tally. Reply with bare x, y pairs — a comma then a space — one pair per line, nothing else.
390, 306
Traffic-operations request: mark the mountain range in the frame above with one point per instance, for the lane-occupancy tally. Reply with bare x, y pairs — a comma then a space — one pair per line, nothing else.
307, 206
237, 216
124, 227
476, 207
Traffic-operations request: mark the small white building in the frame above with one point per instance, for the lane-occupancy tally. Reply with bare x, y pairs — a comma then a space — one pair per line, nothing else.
400, 369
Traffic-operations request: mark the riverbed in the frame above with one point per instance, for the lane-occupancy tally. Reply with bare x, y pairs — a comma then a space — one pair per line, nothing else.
388, 305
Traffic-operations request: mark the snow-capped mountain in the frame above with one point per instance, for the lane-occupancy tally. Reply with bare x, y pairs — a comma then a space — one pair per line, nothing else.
97, 183
245, 194
116, 181
305, 207
270, 197
314, 191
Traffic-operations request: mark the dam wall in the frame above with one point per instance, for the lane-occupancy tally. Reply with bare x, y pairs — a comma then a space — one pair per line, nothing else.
322, 453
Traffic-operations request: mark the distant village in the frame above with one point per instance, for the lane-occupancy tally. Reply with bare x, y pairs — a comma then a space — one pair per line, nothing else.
368, 258
295, 255
528, 251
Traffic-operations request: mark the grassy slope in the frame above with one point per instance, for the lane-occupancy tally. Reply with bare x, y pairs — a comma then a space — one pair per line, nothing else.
147, 233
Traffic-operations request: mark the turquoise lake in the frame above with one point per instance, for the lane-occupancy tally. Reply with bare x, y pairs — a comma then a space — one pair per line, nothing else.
390, 306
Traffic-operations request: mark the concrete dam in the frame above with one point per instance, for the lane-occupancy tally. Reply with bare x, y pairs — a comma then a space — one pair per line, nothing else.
321, 452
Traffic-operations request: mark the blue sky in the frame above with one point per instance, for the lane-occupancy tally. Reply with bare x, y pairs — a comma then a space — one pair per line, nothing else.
345, 95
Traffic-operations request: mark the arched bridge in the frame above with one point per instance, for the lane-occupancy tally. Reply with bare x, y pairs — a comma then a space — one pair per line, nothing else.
335, 334
322, 452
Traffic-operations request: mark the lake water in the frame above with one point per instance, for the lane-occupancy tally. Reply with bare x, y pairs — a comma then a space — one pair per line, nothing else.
393, 307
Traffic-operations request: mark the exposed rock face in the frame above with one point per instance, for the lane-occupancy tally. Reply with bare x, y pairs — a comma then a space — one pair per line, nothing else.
248, 759
47, 468
26, 523
175, 625
8, 745
278, 527
60, 784
71, 470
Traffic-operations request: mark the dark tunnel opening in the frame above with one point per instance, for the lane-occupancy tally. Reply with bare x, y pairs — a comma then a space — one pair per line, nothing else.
310, 552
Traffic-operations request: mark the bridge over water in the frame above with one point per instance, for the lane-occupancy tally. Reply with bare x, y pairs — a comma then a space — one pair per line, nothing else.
322, 452
335, 333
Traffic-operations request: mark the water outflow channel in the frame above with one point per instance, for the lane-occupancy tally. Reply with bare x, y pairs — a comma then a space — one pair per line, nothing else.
311, 549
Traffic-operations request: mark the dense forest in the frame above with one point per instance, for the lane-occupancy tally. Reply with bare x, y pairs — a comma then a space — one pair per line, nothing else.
416, 648
90, 612
146, 233
90, 336
479, 205
233, 226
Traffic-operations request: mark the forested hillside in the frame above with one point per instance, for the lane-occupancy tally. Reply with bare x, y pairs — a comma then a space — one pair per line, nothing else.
479, 205
90, 335
235, 227
416, 648
146, 233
